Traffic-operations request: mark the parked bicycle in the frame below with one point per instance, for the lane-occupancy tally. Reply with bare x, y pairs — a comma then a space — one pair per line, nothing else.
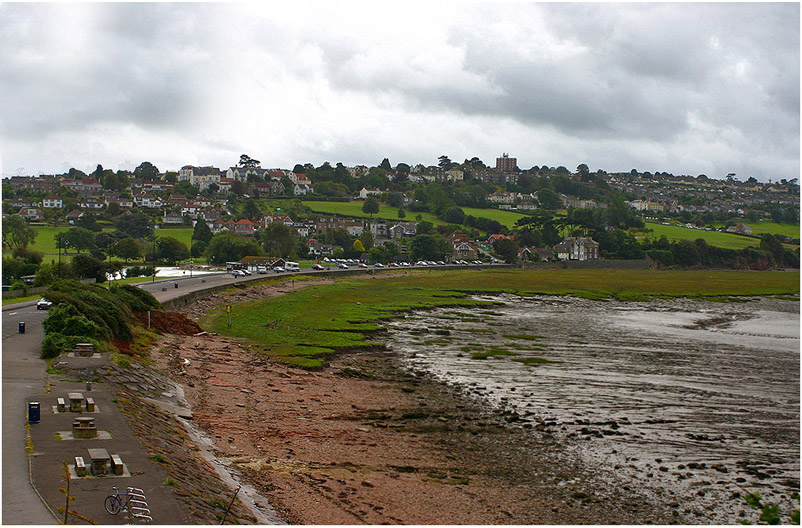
117, 502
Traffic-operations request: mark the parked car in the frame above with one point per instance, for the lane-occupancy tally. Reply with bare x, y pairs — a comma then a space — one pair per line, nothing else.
317, 267
43, 304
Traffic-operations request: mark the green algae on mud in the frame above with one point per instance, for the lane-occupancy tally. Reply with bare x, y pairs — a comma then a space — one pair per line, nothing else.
304, 326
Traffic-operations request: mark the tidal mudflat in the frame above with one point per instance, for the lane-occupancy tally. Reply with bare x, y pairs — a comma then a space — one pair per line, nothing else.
695, 402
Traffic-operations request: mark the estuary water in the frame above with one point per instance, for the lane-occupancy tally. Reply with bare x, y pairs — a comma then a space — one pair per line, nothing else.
696, 401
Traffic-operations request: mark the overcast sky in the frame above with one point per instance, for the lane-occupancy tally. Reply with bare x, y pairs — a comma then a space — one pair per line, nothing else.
683, 88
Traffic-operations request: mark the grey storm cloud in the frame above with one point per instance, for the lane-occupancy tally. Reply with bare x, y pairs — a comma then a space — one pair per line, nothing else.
639, 70
708, 87
116, 65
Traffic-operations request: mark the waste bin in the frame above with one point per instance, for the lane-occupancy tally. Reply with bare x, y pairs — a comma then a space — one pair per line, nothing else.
22, 327
33, 412
176, 284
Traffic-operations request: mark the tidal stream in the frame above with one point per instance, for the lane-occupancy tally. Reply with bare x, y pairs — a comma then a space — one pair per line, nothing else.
696, 402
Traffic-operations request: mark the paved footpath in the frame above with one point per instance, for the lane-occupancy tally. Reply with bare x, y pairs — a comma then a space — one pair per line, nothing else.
24, 375
29, 486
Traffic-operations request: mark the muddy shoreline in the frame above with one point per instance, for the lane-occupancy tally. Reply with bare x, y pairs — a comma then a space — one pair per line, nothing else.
368, 441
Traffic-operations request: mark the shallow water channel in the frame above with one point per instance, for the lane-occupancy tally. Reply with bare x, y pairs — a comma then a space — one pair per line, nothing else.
695, 401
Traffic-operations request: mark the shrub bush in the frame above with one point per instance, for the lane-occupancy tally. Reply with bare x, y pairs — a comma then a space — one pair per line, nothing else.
55, 344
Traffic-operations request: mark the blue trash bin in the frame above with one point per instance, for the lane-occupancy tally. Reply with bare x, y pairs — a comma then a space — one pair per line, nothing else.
33, 412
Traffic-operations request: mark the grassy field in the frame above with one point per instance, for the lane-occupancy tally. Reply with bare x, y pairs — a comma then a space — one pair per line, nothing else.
759, 228
299, 327
45, 240
714, 238
506, 218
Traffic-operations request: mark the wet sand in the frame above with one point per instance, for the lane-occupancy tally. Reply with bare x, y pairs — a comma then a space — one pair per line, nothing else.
368, 441
698, 402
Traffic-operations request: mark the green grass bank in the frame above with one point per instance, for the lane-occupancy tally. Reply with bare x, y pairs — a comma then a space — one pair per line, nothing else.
305, 326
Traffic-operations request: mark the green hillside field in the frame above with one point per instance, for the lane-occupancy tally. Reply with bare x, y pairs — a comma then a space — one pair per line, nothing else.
759, 228
714, 238
354, 209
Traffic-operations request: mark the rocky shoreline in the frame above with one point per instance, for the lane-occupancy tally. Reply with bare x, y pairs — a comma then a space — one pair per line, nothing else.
367, 442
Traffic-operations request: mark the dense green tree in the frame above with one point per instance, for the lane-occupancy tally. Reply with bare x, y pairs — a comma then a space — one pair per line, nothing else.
171, 250
367, 239
80, 238
251, 210
506, 249
619, 244
134, 224
424, 227
424, 247
47, 273
549, 199
279, 240
189, 190
202, 231
113, 210
197, 249
226, 247
454, 215
87, 267
238, 188
17, 233
771, 245
371, 206
127, 249
146, 171
385, 165
89, 221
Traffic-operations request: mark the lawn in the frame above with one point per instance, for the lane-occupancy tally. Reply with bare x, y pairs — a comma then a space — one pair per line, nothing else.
354, 209
714, 238
759, 228
45, 239
303, 327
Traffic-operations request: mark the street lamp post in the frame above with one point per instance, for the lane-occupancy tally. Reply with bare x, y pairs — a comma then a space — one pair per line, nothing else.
154, 257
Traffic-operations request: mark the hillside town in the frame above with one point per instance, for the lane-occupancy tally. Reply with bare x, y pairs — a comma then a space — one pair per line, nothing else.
562, 215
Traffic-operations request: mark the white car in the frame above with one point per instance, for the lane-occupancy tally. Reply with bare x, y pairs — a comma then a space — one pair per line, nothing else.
43, 304
278, 269
317, 267
379, 265
237, 273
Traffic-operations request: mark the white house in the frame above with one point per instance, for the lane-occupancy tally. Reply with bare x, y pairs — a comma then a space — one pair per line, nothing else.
52, 202
577, 248
364, 193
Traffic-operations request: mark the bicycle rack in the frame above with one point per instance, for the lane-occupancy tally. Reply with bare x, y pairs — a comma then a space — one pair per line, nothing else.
137, 506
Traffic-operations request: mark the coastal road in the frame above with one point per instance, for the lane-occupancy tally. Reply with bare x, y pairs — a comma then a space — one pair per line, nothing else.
23, 376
